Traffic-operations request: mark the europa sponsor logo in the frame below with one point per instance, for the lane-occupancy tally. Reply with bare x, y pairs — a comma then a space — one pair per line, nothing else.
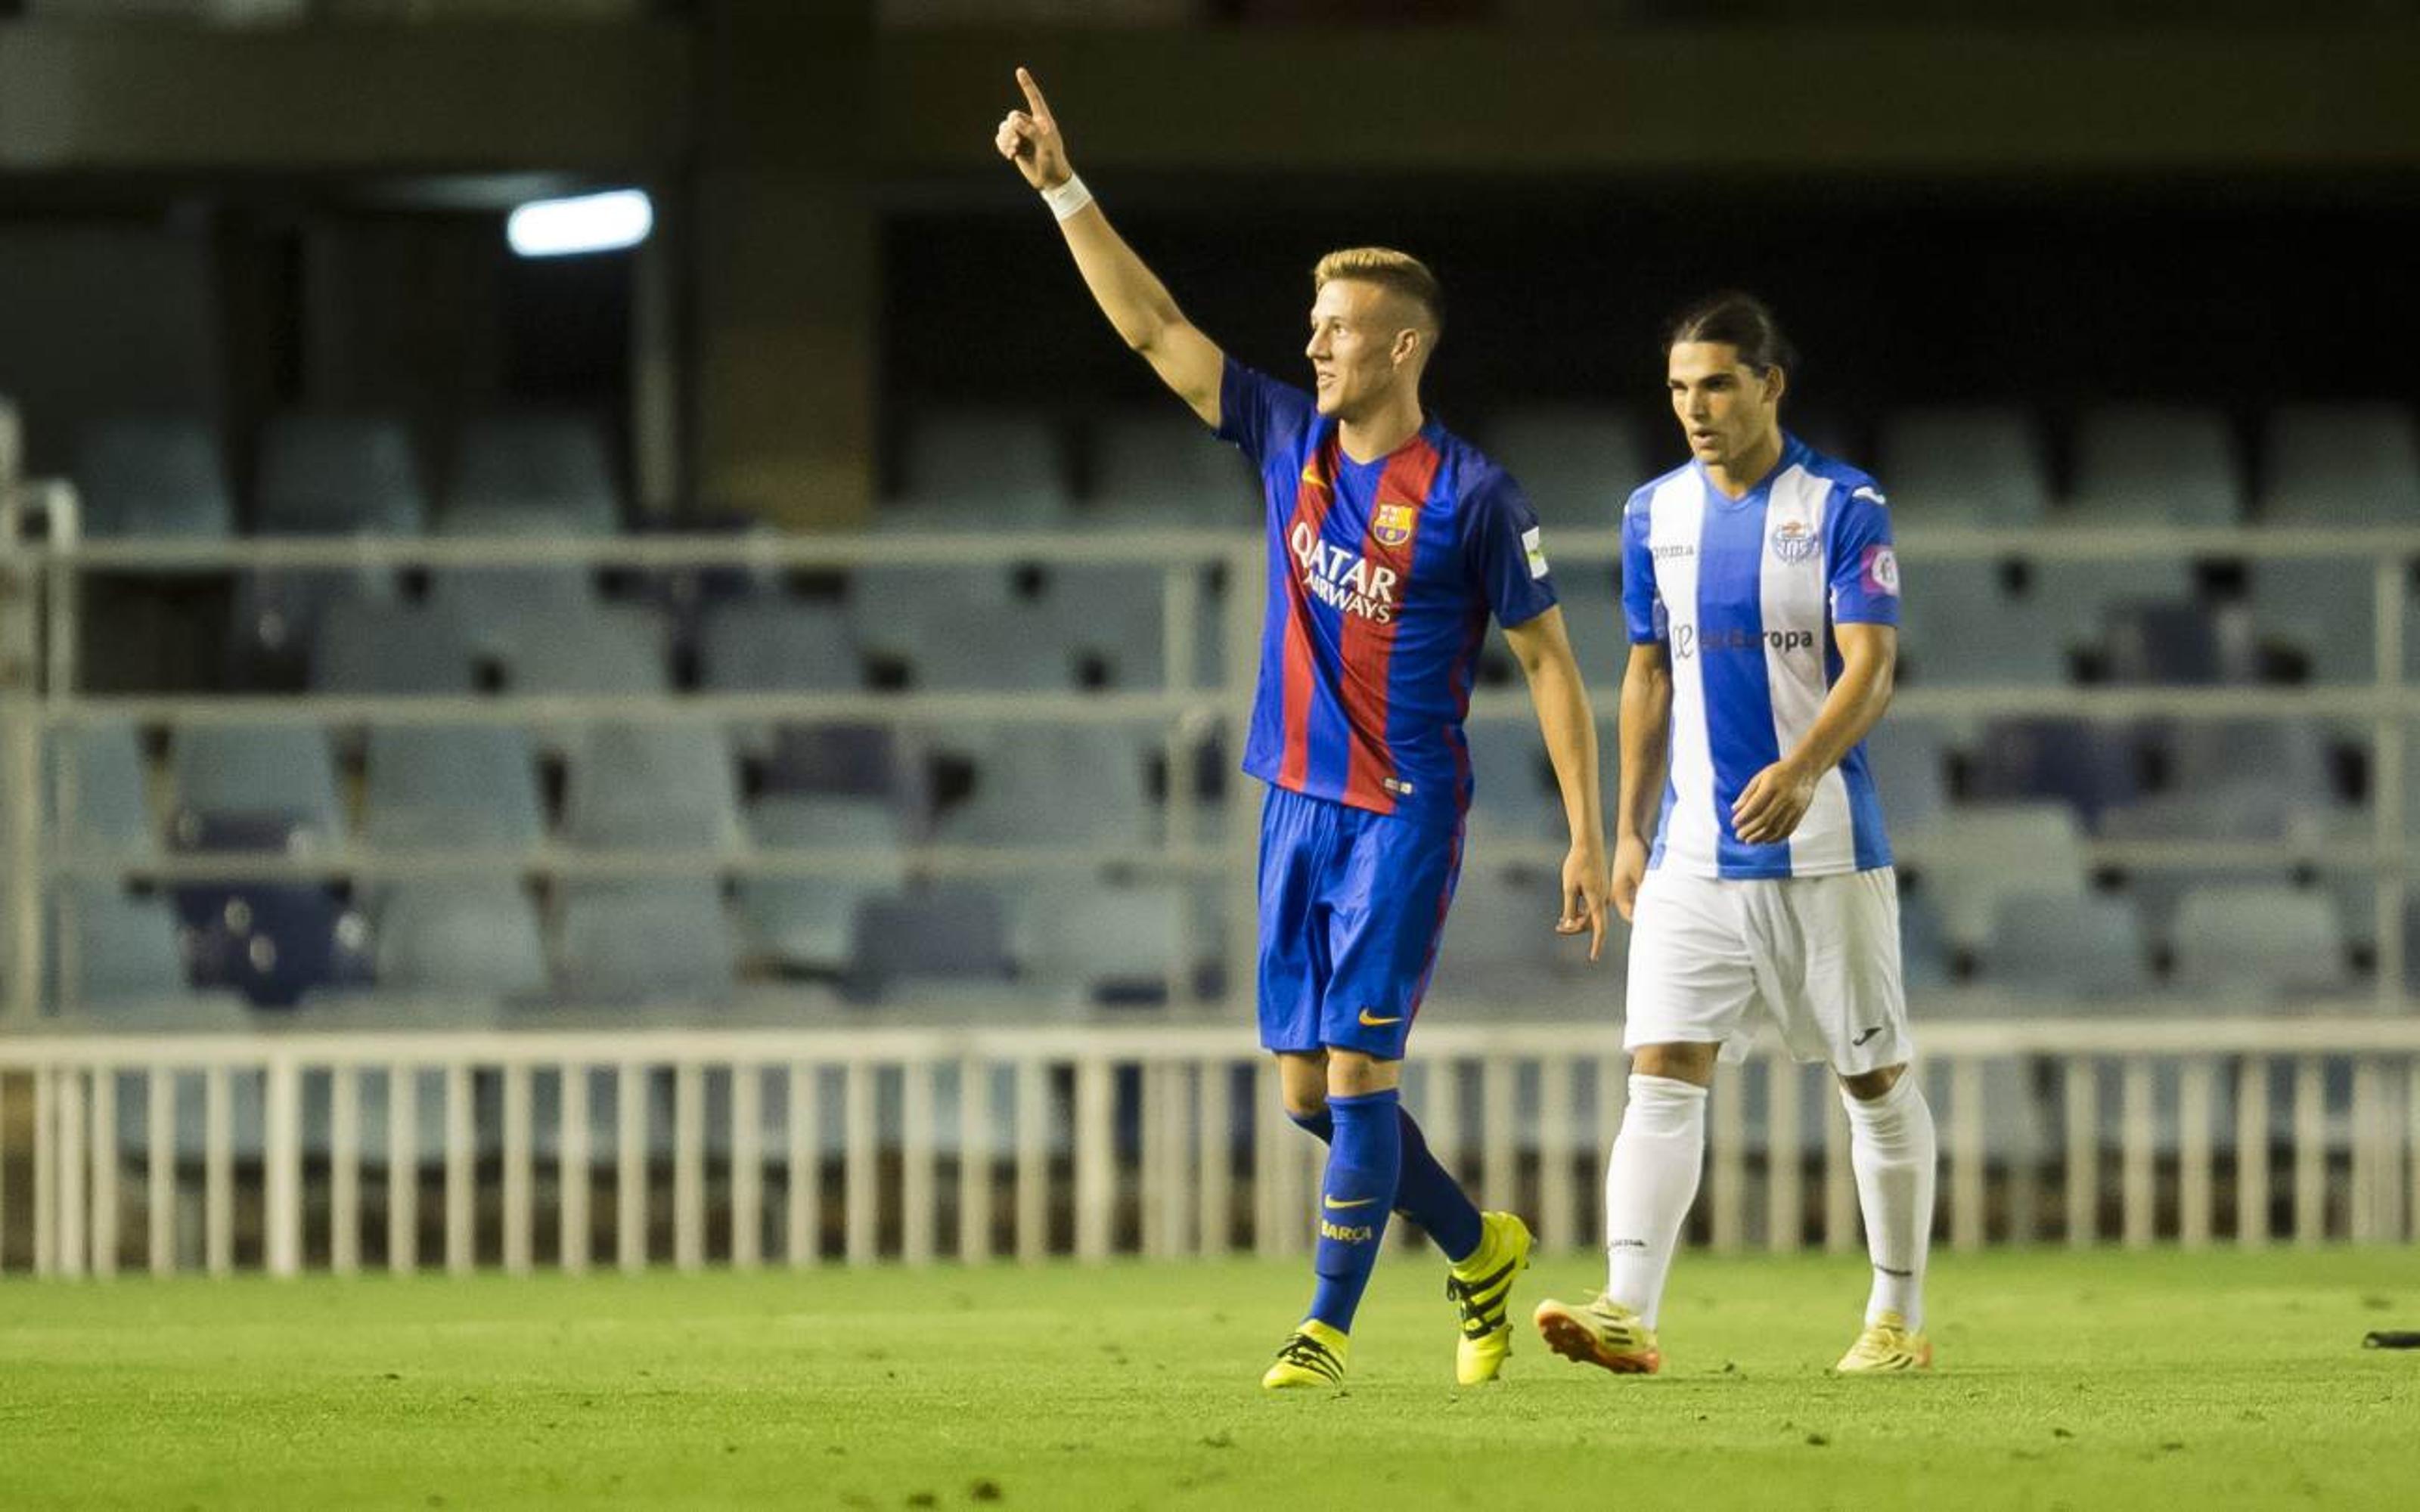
1686, 641
1343, 580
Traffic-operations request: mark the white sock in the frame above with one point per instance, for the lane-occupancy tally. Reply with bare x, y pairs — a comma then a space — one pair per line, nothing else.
1650, 1180
1891, 1146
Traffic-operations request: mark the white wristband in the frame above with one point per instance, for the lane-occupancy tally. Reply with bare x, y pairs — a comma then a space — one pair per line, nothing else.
1067, 198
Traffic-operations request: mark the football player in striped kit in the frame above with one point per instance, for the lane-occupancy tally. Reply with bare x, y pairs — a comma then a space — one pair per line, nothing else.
1391, 543
1762, 596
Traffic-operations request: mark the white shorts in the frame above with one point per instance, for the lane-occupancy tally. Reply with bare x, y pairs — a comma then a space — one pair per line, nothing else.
1821, 955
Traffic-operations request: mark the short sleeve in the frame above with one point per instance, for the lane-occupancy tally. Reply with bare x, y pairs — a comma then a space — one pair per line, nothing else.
1864, 568
1506, 551
1642, 604
1259, 414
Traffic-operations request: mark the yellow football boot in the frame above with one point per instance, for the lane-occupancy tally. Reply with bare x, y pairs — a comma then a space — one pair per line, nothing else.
1600, 1332
1312, 1355
1480, 1288
1886, 1345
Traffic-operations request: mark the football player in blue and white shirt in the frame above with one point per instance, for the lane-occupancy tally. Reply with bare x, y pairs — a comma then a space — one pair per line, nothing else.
1762, 596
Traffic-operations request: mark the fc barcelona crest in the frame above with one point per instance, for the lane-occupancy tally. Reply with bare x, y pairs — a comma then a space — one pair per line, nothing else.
1392, 524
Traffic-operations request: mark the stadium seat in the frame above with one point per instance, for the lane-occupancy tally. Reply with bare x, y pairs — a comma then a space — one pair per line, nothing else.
1589, 593
2078, 949
1982, 853
1104, 942
112, 809
2067, 601
2091, 764
770, 646
127, 950
868, 760
272, 941
805, 924
153, 476
432, 786
1909, 761
982, 470
1114, 622
2270, 941
1514, 797
531, 475
1959, 626
2285, 758
1577, 465
1979, 467
670, 785
475, 936
656, 940
257, 769
897, 611
952, 935
1021, 644
610, 650
2155, 465
374, 647
1049, 785
1926, 953
2340, 464
338, 475
2177, 643
1500, 954
2326, 608
2237, 813
1160, 470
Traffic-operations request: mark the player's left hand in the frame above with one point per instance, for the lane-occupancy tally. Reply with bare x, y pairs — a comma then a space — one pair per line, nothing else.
1773, 802
1587, 889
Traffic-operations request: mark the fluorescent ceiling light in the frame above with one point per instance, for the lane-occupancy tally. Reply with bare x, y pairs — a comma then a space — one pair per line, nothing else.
589, 222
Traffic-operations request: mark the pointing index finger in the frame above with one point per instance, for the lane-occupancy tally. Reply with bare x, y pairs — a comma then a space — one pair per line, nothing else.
1033, 100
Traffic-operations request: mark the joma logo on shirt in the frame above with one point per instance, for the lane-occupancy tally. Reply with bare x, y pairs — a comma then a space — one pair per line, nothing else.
1343, 580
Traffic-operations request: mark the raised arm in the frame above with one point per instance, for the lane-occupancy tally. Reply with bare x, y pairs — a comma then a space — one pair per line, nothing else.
1129, 293
1542, 646
1645, 748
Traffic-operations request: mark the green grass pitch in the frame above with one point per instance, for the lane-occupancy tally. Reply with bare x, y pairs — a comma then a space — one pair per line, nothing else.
2152, 1382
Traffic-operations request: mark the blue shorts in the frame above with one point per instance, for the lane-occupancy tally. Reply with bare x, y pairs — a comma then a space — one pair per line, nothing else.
1352, 904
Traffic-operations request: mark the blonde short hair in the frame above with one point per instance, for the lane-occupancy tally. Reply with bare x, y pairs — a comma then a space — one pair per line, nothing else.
1397, 272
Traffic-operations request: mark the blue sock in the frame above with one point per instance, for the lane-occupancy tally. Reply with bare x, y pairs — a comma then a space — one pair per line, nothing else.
1363, 1165
1426, 1192
1428, 1195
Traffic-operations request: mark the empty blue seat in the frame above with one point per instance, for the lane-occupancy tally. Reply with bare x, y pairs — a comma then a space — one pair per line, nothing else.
951, 934
657, 786
2341, 465
338, 475
2090, 764
2081, 947
500, 610
263, 768
616, 650
270, 941
1979, 467
2255, 940
1514, 795
1909, 762
770, 646
126, 949
373, 647
2154, 464
1576, 465
1045, 785
805, 924
2326, 608
1960, 625
111, 812
476, 936
982, 470
2072, 598
653, 940
1983, 853
153, 476
1104, 941
449, 785
1157, 470
1501, 955
2174, 643
530, 475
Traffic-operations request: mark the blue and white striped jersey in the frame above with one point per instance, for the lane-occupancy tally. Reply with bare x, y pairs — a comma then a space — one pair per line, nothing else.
1746, 592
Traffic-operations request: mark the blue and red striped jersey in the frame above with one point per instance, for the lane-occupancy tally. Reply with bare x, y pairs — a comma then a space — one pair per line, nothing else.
1382, 575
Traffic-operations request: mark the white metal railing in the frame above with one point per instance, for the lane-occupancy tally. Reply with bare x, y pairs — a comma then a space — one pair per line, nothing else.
749, 1147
